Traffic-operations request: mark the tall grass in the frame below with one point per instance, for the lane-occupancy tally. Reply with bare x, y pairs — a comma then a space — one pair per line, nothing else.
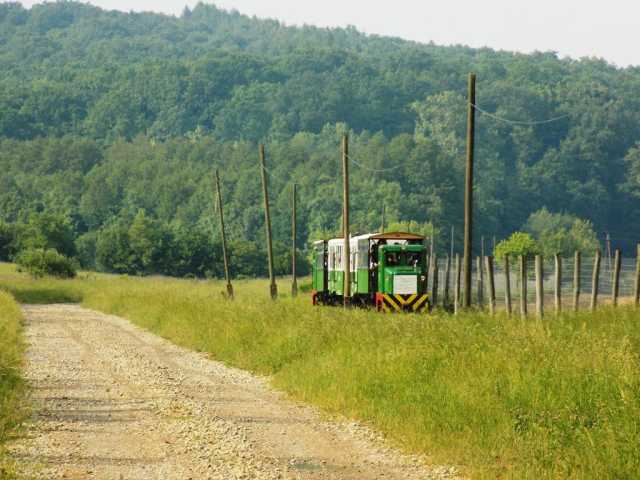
12, 410
501, 397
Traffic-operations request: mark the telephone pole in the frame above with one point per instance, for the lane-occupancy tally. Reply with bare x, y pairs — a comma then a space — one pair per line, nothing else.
224, 238
346, 254
468, 192
273, 288
294, 282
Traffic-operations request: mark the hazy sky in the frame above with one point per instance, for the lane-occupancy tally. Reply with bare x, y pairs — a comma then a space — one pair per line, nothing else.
607, 29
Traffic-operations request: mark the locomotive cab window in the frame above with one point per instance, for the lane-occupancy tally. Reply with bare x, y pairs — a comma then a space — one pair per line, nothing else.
392, 259
414, 259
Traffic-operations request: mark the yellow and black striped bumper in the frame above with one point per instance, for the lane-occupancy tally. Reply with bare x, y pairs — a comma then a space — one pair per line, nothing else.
386, 302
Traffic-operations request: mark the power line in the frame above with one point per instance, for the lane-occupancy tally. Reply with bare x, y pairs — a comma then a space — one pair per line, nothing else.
519, 122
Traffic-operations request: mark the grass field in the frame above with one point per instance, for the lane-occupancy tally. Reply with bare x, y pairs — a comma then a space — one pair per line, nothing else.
500, 397
12, 410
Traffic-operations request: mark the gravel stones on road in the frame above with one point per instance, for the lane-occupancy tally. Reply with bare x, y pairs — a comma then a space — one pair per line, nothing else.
112, 401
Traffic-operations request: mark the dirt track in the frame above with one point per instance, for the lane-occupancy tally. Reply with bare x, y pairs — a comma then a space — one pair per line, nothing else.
115, 402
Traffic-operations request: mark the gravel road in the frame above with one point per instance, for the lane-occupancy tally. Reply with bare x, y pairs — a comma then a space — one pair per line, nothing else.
113, 401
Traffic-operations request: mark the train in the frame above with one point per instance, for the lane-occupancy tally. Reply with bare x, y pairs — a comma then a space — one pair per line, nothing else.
388, 272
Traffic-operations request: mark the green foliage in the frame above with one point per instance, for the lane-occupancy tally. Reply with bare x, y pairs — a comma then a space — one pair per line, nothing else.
12, 385
104, 114
49, 231
8, 241
40, 262
518, 244
561, 233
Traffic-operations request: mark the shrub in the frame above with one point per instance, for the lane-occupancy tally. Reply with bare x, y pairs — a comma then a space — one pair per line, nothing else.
516, 245
40, 262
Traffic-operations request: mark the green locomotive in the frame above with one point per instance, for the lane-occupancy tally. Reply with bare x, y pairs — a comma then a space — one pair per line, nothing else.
388, 271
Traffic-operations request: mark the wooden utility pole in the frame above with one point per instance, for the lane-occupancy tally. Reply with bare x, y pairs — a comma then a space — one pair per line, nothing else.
273, 288
346, 254
576, 280
595, 280
468, 192
382, 223
223, 236
294, 219
615, 289
523, 286
507, 285
539, 287
491, 284
558, 284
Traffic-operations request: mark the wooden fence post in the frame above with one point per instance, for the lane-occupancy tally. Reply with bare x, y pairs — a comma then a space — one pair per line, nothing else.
447, 280
539, 287
523, 286
491, 284
479, 282
456, 286
615, 288
558, 284
637, 286
576, 281
595, 280
434, 281
507, 285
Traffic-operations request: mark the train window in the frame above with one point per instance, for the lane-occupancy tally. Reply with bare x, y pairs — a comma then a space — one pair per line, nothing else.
413, 259
392, 259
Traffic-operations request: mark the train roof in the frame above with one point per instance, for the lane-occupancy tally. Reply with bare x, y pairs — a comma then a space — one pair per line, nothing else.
382, 236
397, 236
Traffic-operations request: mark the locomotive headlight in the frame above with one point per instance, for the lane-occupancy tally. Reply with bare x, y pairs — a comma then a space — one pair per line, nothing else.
422, 278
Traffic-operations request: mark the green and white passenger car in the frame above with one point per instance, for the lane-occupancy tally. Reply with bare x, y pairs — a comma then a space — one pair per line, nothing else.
388, 271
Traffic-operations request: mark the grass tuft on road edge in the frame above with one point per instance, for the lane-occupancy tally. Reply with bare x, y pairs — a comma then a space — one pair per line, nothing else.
503, 397
12, 387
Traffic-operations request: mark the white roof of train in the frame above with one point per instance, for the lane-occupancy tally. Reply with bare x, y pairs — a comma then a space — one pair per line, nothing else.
339, 241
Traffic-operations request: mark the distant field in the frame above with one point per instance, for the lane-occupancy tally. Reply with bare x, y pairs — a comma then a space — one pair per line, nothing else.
500, 397
12, 402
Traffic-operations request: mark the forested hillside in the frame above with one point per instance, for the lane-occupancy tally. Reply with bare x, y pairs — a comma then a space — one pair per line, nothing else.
111, 125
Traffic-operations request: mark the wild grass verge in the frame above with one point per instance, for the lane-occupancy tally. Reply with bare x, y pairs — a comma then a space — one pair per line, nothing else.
12, 388
505, 398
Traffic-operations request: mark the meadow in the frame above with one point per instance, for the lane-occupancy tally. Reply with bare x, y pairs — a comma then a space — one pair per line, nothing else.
499, 397
12, 388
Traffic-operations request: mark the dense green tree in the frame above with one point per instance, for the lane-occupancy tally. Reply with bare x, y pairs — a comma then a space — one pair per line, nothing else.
104, 114
517, 245
561, 233
49, 231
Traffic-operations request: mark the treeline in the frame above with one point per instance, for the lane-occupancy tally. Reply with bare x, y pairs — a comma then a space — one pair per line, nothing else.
111, 119
140, 246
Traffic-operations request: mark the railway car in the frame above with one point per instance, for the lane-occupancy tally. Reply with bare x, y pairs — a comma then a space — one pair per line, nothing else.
388, 272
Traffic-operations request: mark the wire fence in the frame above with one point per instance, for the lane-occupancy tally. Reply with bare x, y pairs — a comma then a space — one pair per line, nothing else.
480, 282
